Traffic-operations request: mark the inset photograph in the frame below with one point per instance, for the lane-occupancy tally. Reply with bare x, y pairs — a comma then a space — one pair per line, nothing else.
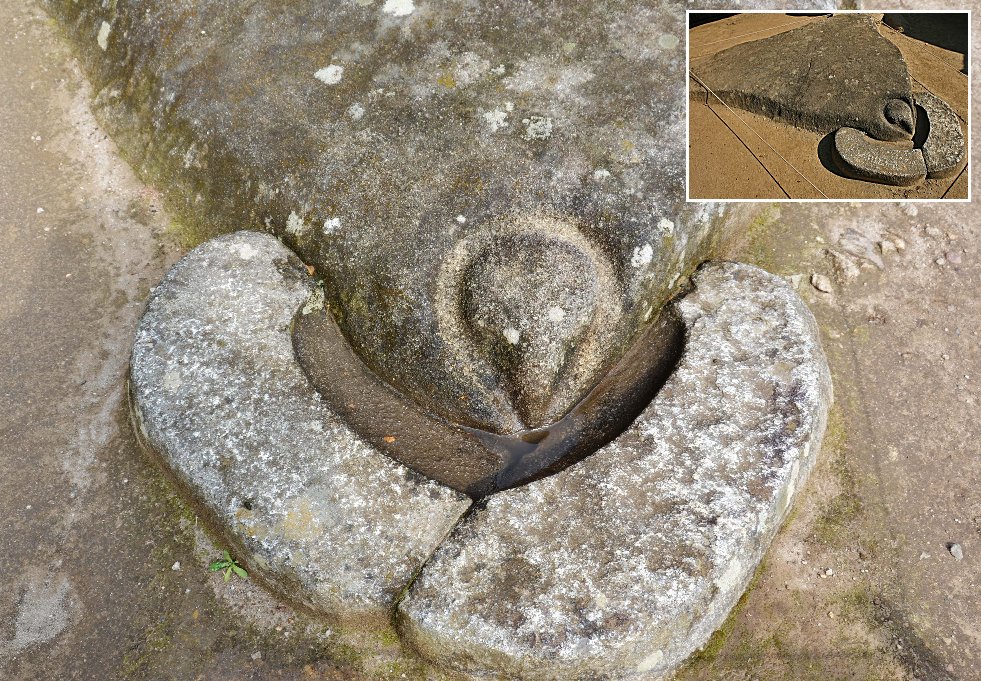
816, 106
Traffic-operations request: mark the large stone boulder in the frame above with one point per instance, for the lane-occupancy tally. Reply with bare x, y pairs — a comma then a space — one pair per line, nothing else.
405, 149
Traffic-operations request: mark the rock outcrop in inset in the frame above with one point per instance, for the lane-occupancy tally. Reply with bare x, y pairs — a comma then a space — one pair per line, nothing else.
834, 73
839, 75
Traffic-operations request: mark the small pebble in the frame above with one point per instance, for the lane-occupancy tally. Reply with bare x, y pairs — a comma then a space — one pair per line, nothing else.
821, 282
829, 573
953, 258
956, 551
933, 231
940, 261
257, 655
900, 244
176, 566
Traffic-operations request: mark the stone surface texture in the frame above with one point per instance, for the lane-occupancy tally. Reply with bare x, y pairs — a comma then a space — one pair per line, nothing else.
823, 76
325, 519
625, 563
859, 156
944, 148
382, 140
81, 501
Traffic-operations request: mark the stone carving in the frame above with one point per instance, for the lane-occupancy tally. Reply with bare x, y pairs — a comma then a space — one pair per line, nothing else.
940, 155
535, 306
860, 157
218, 394
625, 562
495, 222
944, 147
619, 565
375, 143
542, 304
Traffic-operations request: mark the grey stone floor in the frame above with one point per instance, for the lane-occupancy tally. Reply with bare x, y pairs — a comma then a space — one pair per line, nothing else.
859, 585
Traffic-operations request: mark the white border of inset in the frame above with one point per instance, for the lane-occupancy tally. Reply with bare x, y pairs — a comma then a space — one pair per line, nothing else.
818, 10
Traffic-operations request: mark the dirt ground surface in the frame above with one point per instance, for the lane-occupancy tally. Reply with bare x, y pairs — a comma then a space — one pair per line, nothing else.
728, 158
103, 572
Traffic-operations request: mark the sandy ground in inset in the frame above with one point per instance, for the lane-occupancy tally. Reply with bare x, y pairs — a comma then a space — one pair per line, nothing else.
103, 572
736, 154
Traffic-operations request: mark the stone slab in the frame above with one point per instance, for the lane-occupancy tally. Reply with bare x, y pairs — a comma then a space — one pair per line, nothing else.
859, 156
326, 520
832, 73
624, 564
396, 146
944, 148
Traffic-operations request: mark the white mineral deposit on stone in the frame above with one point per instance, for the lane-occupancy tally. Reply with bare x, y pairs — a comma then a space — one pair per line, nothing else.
46, 609
556, 314
512, 335
461, 219
355, 111
398, 8
103, 37
651, 661
665, 226
600, 174
295, 226
330, 75
668, 41
538, 128
642, 255
315, 302
172, 381
246, 251
496, 119
331, 225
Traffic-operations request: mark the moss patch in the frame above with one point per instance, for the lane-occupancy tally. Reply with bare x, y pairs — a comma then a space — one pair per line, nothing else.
842, 509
